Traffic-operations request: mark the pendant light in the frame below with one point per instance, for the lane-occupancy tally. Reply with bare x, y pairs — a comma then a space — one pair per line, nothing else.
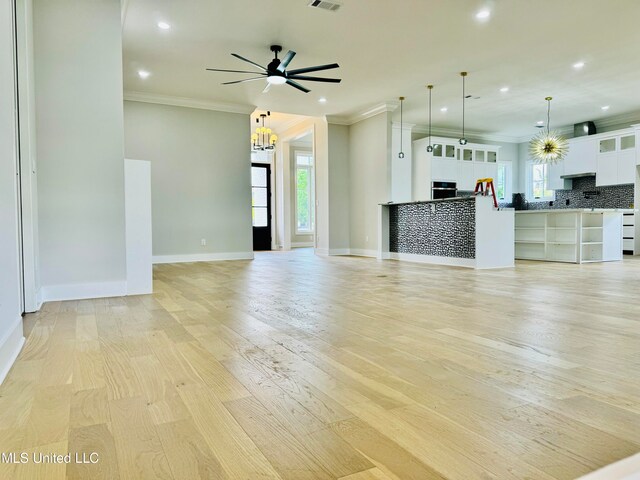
547, 146
430, 146
263, 138
463, 139
401, 154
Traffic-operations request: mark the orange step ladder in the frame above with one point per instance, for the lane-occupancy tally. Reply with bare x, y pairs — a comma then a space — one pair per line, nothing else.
481, 189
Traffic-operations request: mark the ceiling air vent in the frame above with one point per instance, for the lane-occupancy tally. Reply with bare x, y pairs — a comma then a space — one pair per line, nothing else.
325, 5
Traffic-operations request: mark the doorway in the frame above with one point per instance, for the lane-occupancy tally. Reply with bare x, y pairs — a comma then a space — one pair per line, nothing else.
261, 205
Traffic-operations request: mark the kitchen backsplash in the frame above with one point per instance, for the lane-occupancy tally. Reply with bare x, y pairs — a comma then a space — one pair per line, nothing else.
583, 195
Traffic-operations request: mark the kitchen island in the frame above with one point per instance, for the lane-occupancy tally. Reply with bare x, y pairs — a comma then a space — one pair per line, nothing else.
461, 231
569, 235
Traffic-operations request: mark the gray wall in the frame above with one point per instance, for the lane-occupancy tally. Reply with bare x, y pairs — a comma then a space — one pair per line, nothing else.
339, 179
369, 150
200, 176
78, 65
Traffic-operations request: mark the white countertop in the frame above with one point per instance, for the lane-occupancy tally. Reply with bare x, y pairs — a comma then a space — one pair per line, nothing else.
575, 210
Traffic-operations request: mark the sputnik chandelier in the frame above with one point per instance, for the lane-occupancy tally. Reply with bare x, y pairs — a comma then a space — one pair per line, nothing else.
548, 146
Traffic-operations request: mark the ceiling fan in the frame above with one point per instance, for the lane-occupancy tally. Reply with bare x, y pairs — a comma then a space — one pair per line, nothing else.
276, 72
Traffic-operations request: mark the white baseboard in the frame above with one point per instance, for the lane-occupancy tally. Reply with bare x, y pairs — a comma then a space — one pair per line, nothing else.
456, 262
10, 347
202, 257
301, 244
340, 251
359, 252
322, 251
81, 291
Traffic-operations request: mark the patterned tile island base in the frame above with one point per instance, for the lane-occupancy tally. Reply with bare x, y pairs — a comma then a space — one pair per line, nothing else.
462, 231
443, 229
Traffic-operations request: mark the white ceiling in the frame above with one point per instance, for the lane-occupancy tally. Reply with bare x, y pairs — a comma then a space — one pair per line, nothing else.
390, 48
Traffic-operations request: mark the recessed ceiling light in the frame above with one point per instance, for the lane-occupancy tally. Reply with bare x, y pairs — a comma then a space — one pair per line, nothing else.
483, 14
504, 89
606, 107
578, 65
540, 122
164, 26
444, 109
143, 74
322, 100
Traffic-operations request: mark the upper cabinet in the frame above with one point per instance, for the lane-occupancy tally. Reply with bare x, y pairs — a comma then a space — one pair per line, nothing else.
616, 159
581, 157
451, 162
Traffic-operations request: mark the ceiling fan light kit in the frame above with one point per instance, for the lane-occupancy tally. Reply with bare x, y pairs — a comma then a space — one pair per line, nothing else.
276, 72
548, 146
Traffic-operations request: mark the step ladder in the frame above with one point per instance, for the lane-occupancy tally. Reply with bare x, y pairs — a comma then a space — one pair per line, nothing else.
482, 189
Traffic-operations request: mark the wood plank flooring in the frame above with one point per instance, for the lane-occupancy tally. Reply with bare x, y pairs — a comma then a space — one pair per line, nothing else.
299, 367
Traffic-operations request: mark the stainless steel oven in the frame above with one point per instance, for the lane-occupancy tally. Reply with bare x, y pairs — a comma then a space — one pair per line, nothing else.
443, 190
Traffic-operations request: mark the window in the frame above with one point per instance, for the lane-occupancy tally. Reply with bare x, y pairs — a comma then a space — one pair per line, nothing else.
539, 182
305, 193
503, 181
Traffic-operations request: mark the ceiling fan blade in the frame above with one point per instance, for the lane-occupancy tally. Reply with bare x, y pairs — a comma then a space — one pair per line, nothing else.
298, 86
315, 79
234, 71
249, 61
313, 69
286, 60
266, 89
245, 80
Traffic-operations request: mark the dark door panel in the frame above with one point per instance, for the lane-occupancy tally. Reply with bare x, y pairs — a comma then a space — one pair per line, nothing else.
261, 205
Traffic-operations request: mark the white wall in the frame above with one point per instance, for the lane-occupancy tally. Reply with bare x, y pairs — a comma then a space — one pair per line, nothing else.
200, 179
339, 174
370, 177
78, 65
401, 168
11, 338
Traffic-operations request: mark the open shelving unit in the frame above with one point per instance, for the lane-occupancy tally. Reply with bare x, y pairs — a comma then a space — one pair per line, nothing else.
575, 236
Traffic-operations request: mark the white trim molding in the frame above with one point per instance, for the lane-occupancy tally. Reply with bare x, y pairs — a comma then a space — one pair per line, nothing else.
360, 252
340, 251
202, 257
10, 347
187, 102
302, 244
363, 115
80, 291
451, 261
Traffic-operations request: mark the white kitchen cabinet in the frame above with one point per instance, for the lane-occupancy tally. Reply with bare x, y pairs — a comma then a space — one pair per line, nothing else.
554, 181
616, 160
626, 166
607, 169
444, 170
581, 157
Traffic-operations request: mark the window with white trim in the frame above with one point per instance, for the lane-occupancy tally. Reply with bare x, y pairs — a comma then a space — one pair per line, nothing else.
504, 181
538, 183
305, 193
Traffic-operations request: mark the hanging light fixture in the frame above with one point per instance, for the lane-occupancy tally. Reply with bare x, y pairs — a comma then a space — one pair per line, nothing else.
548, 146
401, 154
263, 138
463, 139
430, 146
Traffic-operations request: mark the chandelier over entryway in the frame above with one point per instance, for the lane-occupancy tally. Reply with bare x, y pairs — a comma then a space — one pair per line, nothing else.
263, 138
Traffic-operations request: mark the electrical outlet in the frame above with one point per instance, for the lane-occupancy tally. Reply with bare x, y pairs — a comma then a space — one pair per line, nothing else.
203, 242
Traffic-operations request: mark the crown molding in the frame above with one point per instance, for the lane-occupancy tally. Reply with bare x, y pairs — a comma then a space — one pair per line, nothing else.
404, 126
363, 114
470, 134
187, 102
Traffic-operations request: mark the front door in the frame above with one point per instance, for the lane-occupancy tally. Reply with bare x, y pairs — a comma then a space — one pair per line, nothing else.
261, 205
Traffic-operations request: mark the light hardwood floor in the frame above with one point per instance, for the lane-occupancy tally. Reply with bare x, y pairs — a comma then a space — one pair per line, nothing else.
299, 367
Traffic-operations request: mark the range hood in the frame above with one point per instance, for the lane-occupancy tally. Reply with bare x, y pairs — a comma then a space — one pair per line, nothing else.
579, 175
